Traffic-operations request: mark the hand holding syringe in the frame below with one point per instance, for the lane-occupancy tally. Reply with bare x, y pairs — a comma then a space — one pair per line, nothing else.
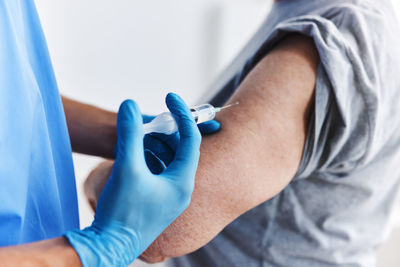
165, 122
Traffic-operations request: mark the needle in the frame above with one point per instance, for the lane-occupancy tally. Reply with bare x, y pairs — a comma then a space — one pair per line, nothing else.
225, 107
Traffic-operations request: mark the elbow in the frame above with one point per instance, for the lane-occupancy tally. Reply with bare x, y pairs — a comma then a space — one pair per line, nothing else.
161, 250
154, 253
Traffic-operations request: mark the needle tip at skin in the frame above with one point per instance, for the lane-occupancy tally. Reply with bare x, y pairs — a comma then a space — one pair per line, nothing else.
230, 105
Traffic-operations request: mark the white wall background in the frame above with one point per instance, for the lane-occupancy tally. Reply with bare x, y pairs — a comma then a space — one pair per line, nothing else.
107, 51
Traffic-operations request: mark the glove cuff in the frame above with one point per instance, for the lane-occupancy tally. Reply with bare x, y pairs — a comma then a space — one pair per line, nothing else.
113, 245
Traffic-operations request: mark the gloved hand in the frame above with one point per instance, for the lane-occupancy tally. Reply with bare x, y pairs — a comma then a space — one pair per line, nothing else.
136, 205
160, 148
159, 152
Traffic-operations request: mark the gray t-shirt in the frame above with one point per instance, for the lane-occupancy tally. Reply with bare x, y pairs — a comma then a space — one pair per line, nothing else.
336, 210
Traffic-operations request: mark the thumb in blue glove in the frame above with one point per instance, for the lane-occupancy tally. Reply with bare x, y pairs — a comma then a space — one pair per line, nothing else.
136, 205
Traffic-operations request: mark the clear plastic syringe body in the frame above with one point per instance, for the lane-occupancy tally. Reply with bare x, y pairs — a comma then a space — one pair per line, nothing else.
165, 122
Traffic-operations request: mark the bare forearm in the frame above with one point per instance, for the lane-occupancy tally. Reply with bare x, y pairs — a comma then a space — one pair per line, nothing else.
54, 252
92, 130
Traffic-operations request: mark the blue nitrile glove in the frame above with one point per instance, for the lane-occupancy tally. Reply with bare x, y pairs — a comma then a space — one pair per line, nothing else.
160, 148
136, 205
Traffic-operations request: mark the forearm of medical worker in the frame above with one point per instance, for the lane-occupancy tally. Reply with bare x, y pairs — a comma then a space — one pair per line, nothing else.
53, 252
92, 130
266, 134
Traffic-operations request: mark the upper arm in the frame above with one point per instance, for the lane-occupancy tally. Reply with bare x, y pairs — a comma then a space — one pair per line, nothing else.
256, 153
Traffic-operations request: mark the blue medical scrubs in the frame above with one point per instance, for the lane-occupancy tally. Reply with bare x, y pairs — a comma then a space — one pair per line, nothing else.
37, 184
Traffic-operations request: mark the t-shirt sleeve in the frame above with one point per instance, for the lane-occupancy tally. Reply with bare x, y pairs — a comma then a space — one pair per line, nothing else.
343, 119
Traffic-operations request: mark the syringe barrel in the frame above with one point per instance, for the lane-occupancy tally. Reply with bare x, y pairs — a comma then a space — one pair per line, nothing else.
203, 113
165, 122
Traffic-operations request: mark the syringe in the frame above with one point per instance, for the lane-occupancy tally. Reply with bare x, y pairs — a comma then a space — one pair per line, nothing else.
165, 122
